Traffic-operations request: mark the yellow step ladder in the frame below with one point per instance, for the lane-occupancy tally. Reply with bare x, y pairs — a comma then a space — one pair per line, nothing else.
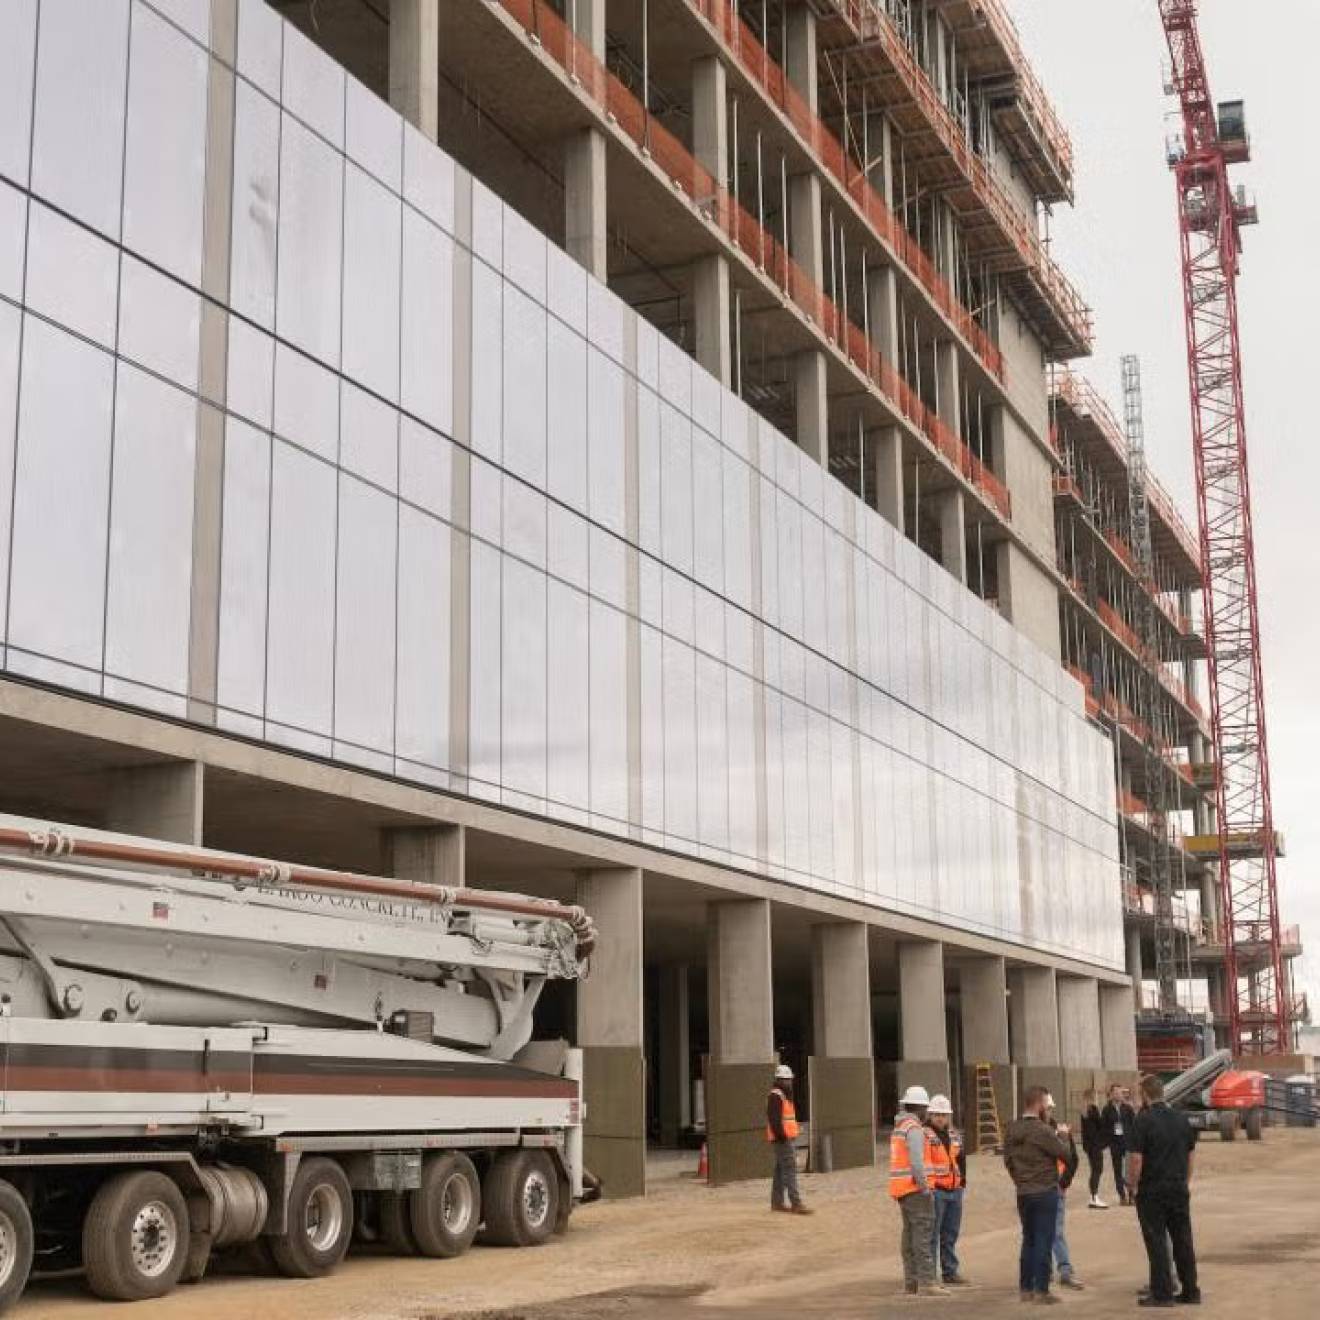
989, 1134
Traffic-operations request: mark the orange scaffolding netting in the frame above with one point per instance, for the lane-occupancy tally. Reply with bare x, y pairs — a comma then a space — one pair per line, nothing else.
755, 61
548, 29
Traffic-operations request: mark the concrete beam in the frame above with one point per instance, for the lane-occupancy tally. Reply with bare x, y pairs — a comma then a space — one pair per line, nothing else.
674, 1069
800, 52
812, 404
436, 855
1034, 1012
983, 998
584, 201
415, 63
1118, 1029
1080, 1040
886, 447
161, 802
953, 533
610, 1032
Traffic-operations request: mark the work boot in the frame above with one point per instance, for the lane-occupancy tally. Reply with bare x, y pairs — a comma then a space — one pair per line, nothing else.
932, 1290
1189, 1299
801, 1209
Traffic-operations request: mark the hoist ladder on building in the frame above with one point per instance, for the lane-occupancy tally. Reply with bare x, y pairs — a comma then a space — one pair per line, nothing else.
989, 1134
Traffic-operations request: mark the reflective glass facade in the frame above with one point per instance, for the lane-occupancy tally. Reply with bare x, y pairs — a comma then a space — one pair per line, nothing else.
303, 433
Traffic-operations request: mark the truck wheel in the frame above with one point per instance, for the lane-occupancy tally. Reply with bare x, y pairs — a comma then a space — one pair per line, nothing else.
15, 1244
1255, 1124
395, 1230
445, 1211
1227, 1124
521, 1196
135, 1236
320, 1222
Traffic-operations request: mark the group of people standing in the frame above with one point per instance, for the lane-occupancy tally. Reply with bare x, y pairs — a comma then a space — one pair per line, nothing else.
1152, 1155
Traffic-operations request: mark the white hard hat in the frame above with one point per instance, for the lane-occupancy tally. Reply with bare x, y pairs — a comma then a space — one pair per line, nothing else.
783, 1073
915, 1095
939, 1104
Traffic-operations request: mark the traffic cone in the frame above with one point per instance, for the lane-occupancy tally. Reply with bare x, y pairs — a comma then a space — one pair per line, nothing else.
703, 1165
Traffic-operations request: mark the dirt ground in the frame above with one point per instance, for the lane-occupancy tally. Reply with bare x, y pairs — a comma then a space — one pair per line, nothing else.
691, 1253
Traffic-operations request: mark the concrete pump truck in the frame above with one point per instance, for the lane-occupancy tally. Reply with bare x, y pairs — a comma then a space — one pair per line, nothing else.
200, 1051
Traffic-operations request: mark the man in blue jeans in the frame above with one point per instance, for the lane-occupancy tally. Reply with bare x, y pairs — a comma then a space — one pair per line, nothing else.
948, 1175
1033, 1152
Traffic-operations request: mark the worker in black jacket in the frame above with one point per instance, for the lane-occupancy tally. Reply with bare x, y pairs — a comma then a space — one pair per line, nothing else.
1094, 1144
1067, 1172
1117, 1117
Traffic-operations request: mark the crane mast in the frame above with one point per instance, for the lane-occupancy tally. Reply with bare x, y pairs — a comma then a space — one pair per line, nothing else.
1211, 215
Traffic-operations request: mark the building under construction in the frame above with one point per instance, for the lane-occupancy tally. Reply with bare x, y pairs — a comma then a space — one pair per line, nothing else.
593, 450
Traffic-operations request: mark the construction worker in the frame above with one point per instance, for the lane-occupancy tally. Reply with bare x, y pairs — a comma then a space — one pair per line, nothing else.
1032, 1151
781, 1130
1163, 1146
910, 1186
1067, 1172
948, 1175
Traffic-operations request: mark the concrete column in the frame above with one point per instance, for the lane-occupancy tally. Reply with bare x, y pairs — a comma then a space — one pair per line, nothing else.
435, 855
923, 1034
880, 156
806, 239
953, 533
813, 415
882, 311
800, 62
983, 1010
609, 1030
887, 450
1080, 1041
740, 1067
415, 63
674, 1071
983, 999
712, 304
948, 386
1132, 938
1117, 1029
712, 307
1036, 1017
584, 201
162, 802
588, 18
842, 1070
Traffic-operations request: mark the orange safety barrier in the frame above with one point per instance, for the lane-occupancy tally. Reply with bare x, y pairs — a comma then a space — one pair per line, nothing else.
752, 57
546, 27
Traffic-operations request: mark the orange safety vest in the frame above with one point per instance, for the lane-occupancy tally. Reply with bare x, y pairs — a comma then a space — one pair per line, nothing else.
902, 1181
942, 1162
790, 1118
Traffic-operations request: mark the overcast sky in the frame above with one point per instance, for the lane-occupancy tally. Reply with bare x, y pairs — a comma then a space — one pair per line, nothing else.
1103, 61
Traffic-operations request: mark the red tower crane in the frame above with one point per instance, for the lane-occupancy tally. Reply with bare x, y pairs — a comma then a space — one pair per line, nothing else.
1211, 215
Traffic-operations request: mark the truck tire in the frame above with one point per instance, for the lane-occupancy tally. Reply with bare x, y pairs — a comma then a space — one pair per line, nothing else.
1255, 1124
521, 1198
15, 1244
135, 1236
395, 1230
320, 1222
1227, 1124
445, 1211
